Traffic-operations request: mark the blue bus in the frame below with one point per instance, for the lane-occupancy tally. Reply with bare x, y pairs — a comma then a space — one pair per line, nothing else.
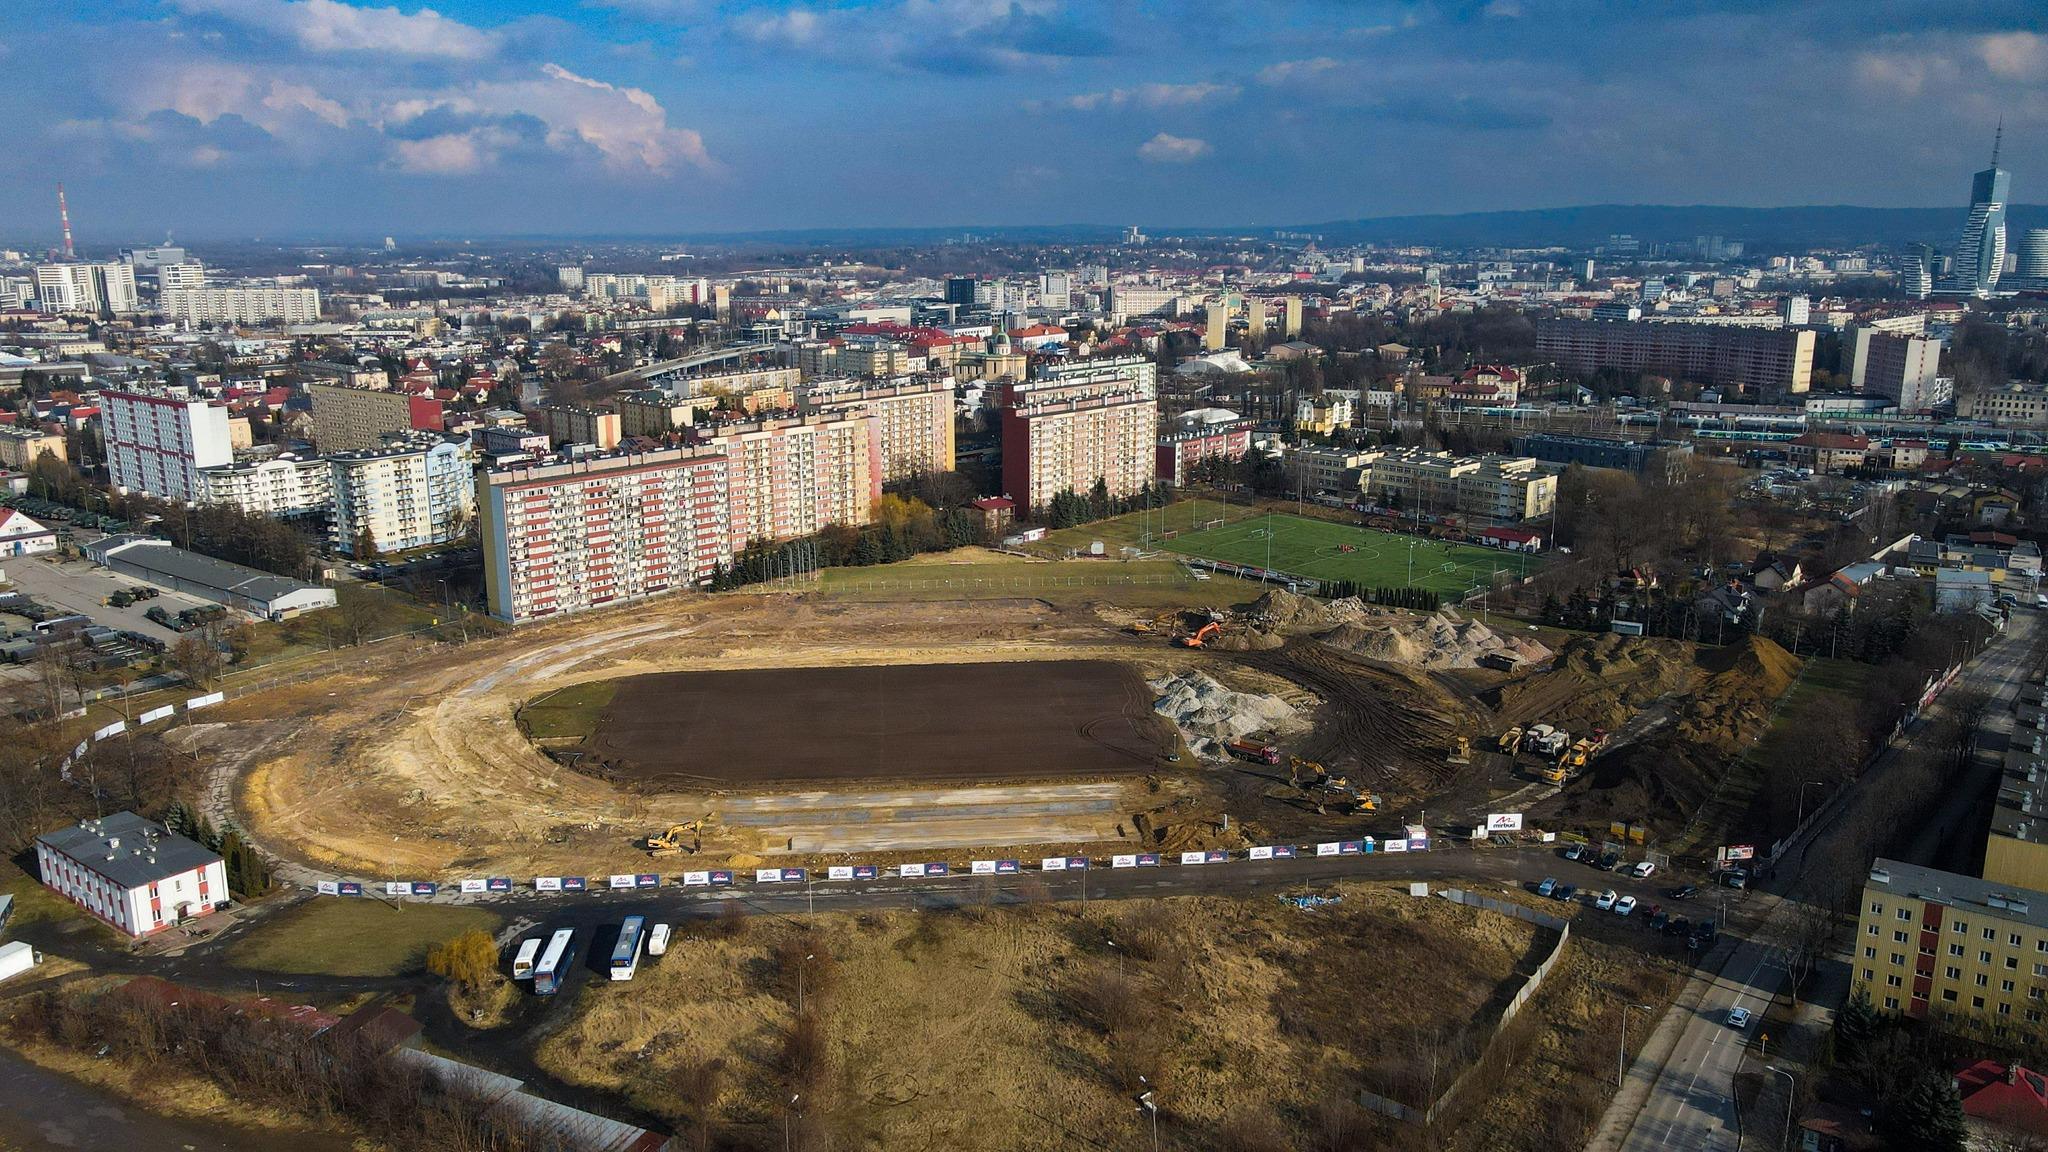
554, 964
626, 953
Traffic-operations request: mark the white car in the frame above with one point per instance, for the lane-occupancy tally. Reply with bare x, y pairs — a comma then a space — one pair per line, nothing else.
1642, 870
1605, 901
1624, 906
657, 940
1738, 1018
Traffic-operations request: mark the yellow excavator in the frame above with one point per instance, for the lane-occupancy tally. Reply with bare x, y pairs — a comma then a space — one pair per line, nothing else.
680, 838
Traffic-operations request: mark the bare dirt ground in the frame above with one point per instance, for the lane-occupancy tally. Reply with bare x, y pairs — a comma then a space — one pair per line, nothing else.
940, 722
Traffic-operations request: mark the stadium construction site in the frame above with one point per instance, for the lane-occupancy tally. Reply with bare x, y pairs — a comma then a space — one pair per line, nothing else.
803, 726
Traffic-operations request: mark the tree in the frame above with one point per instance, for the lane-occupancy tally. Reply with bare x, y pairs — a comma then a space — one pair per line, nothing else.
197, 656
1926, 1117
469, 960
1855, 1025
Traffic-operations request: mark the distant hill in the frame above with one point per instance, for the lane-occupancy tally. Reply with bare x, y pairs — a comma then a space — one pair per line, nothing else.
1591, 224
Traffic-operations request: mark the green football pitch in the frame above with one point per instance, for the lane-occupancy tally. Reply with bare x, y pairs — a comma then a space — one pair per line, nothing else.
1318, 548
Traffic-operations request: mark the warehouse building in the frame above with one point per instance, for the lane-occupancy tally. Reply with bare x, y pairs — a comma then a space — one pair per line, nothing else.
131, 873
259, 594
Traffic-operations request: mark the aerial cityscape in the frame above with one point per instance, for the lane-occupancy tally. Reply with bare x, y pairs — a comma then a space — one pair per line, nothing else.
660, 575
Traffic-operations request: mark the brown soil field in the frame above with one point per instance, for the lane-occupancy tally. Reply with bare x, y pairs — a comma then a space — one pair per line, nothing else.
907, 722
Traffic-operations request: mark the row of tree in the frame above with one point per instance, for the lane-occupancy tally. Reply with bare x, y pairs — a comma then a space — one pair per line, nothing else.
1069, 508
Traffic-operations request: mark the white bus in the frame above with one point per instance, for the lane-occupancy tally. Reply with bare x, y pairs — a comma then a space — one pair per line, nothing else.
522, 962
554, 963
626, 953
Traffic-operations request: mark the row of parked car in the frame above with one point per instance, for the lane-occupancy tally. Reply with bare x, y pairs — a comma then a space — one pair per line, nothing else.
1608, 861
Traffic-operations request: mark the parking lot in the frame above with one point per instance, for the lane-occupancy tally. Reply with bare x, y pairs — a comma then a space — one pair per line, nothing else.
82, 587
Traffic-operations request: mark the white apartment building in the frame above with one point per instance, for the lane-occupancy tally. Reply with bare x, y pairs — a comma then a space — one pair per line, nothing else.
1138, 301
191, 274
131, 873
248, 304
66, 288
283, 486
157, 441
417, 493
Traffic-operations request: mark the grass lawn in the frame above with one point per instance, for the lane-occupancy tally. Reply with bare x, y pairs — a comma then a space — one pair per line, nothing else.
571, 712
1304, 547
1138, 583
32, 901
1134, 529
340, 936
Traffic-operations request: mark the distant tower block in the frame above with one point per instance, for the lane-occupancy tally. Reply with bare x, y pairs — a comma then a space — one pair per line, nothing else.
1255, 315
1291, 327
64, 221
1217, 328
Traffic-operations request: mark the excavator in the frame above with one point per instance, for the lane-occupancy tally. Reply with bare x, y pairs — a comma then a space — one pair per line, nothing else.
1201, 635
673, 843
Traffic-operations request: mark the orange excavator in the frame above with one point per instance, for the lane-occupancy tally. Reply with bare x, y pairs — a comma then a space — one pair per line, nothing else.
1201, 635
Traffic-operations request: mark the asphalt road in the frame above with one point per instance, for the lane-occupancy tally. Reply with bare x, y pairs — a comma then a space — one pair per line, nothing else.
1689, 1102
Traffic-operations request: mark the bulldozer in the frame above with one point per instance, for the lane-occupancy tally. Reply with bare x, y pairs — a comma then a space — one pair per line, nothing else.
673, 843
1460, 751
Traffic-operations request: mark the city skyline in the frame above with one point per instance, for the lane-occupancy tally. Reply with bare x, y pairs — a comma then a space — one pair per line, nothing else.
219, 118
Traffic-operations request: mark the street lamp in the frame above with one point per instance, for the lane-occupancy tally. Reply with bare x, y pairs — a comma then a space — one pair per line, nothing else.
1791, 1088
1802, 799
1147, 1103
786, 1118
1621, 1057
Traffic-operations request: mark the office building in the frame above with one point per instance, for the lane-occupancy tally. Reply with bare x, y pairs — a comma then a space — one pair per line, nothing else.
1598, 452
71, 287
251, 304
577, 424
913, 417
2033, 254
793, 476
1342, 471
154, 259
1797, 311
352, 418
1935, 944
1905, 370
1138, 301
1063, 432
1055, 291
2018, 404
1772, 362
565, 537
1491, 488
158, 440
20, 447
131, 873
961, 291
284, 486
1196, 436
413, 493
1980, 251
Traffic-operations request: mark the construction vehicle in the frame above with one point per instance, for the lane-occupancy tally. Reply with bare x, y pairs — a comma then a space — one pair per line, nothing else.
1201, 636
1545, 741
1461, 751
673, 843
1263, 753
1511, 739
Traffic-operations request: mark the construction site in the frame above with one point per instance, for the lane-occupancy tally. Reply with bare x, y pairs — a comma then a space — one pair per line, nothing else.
779, 723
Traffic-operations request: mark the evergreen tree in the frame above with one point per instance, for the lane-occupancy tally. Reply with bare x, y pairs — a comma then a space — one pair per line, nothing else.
1926, 1117
1855, 1025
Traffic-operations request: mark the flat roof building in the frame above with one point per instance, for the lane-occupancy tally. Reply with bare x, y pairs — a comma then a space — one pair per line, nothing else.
1771, 362
260, 594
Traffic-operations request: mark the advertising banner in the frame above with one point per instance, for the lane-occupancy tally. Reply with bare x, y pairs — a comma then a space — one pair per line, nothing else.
1194, 857
795, 876
1738, 852
910, 871
839, 872
1053, 864
767, 875
1123, 861
720, 878
329, 888
1350, 847
1326, 849
1394, 846
1504, 822
398, 887
1007, 867
1148, 859
575, 884
469, 886
866, 872
547, 883
1283, 851
351, 888
206, 701
646, 879
424, 887
982, 867
1260, 853
696, 879
111, 730
155, 714
624, 880
1216, 856
937, 869
498, 884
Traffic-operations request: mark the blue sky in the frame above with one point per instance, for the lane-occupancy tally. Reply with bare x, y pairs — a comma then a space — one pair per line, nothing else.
491, 117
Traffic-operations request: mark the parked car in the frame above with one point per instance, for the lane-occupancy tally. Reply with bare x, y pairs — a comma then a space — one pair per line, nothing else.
1607, 862
1738, 1018
1643, 870
657, 940
1684, 892
1574, 852
1625, 906
1568, 892
1735, 878
1677, 926
1548, 886
1658, 918
1605, 901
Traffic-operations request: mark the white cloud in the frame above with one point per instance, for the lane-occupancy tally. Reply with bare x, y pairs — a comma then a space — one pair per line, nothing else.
1153, 96
796, 28
452, 154
1504, 9
1169, 149
1290, 70
2015, 55
332, 26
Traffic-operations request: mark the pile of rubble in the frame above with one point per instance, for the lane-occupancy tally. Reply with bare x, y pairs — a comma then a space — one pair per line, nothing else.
1442, 640
1209, 715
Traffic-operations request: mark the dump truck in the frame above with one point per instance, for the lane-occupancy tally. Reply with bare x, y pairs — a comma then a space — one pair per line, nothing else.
1262, 753
1511, 739
1546, 741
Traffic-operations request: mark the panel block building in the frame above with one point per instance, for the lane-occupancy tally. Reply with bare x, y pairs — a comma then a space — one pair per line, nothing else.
1064, 431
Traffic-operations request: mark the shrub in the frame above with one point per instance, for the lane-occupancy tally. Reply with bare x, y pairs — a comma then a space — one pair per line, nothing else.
470, 959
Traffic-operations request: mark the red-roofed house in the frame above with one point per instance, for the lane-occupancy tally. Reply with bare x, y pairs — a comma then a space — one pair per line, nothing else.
1828, 451
2010, 1095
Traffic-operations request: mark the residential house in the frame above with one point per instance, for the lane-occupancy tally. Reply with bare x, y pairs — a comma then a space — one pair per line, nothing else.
1828, 451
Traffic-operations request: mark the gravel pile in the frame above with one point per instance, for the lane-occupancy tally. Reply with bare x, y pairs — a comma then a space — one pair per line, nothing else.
1210, 715
1443, 640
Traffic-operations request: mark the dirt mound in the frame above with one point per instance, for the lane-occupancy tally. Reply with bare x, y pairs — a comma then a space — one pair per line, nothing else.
1443, 640
1210, 715
1744, 681
1280, 609
1757, 660
1597, 682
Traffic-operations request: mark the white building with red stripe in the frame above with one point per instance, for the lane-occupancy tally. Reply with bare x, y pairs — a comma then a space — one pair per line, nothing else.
157, 441
131, 873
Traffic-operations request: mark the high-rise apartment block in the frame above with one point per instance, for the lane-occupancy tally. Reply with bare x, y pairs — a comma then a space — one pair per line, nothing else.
157, 441
913, 418
792, 476
252, 304
283, 486
347, 418
1203, 434
1082, 422
1934, 944
1773, 362
1906, 369
81, 287
568, 537
413, 493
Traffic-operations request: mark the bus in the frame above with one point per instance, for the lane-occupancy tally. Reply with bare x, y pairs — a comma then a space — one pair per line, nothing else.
522, 963
626, 953
555, 962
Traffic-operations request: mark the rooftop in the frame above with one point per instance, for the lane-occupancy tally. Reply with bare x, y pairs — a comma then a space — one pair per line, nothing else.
158, 556
1966, 894
127, 849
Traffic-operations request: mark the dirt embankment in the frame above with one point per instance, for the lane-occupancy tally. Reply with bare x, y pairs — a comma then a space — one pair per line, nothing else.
1437, 641
1596, 682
